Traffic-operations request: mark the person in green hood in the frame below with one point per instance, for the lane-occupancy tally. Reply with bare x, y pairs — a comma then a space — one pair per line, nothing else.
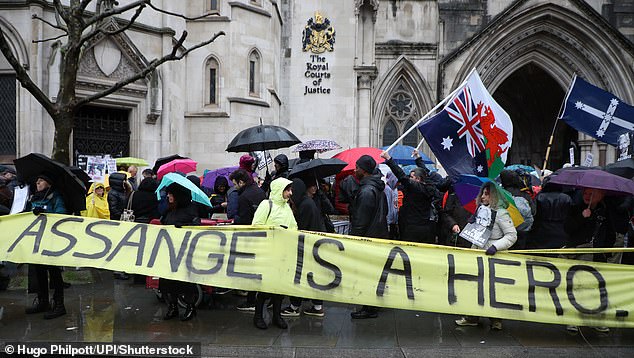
275, 211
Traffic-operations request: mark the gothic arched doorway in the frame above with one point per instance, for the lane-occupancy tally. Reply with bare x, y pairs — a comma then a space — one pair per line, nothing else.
532, 98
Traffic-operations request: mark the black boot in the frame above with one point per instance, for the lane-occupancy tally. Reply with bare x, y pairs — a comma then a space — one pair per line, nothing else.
190, 312
57, 310
172, 311
277, 312
39, 305
258, 318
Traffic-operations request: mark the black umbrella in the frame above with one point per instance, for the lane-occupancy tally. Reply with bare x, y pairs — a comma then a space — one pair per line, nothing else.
317, 168
261, 138
65, 182
81, 174
165, 160
623, 168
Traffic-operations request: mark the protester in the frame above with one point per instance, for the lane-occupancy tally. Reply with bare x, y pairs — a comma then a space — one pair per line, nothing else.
308, 217
492, 214
148, 173
97, 202
203, 211
246, 163
552, 210
525, 204
281, 171
180, 213
133, 170
249, 197
368, 213
9, 177
274, 211
391, 194
47, 199
218, 198
417, 218
453, 218
118, 194
144, 202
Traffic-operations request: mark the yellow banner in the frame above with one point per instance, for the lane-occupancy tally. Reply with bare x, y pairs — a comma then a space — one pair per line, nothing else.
334, 268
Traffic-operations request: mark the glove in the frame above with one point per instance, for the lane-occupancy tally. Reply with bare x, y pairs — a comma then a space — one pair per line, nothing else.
491, 250
38, 210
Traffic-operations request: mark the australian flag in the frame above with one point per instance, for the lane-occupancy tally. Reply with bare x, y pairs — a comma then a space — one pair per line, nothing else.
596, 112
472, 133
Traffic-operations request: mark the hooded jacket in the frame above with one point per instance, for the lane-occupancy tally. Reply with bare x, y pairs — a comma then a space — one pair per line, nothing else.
96, 206
217, 198
144, 202
249, 197
276, 210
117, 199
307, 214
368, 209
553, 208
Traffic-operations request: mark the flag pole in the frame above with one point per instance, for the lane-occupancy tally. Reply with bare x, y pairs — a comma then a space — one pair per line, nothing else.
433, 110
552, 134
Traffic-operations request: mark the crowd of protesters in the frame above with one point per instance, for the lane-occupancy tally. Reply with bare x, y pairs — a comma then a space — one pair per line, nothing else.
415, 206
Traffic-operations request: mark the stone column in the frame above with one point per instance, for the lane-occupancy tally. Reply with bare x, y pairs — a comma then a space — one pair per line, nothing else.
365, 77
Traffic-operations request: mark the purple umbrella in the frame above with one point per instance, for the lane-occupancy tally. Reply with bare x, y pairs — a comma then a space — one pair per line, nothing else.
595, 179
210, 176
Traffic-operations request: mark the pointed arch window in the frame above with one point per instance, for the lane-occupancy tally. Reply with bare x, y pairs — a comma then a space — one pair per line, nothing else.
400, 115
212, 70
254, 74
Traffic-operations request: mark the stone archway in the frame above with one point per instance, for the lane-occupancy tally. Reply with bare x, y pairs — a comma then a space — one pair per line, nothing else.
532, 98
561, 39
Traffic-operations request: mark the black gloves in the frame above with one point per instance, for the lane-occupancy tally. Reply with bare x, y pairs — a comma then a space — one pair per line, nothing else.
38, 210
492, 250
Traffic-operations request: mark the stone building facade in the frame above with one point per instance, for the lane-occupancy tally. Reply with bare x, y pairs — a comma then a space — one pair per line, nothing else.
387, 63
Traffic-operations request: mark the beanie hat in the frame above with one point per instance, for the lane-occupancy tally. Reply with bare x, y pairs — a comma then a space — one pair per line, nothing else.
246, 162
46, 177
367, 163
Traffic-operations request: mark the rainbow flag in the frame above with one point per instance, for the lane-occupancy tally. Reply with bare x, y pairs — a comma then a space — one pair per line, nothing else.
467, 188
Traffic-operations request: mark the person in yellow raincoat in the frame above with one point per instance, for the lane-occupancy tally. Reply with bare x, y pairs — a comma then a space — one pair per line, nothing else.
97, 202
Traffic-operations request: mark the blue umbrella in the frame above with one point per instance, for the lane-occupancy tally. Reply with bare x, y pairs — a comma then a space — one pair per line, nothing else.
402, 154
197, 195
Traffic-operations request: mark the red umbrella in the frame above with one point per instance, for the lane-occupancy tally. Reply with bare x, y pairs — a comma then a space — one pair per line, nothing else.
350, 156
177, 165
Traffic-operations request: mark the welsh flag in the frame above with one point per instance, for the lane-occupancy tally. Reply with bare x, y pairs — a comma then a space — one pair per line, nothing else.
472, 133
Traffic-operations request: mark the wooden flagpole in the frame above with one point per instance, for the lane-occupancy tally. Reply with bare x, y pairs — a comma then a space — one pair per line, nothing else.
552, 134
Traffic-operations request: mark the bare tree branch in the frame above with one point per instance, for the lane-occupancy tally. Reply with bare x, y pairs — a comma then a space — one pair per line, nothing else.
24, 78
149, 68
59, 10
50, 39
35, 16
84, 4
115, 11
178, 15
96, 31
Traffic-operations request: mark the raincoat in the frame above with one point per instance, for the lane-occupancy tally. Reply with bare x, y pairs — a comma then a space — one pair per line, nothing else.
96, 206
276, 210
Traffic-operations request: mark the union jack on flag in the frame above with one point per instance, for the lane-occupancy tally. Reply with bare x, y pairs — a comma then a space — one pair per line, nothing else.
463, 111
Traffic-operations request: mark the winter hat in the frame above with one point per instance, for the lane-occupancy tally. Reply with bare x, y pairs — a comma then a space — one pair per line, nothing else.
5, 169
246, 162
367, 163
46, 177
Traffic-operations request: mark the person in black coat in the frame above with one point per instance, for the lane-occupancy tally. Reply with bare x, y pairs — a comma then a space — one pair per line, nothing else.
181, 212
368, 213
203, 211
219, 197
249, 197
552, 210
117, 196
416, 214
144, 202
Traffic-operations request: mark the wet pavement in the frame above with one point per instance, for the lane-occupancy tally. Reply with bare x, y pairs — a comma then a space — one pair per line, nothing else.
112, 310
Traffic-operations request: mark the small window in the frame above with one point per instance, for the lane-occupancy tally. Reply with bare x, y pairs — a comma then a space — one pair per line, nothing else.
254, 74
412, 138
390, 133
211, 82
212, 5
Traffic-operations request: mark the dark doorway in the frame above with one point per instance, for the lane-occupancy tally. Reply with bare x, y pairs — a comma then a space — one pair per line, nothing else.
7, 118
533, 98
101, 130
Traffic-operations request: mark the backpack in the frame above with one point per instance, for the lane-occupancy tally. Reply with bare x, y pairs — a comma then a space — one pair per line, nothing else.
524, 208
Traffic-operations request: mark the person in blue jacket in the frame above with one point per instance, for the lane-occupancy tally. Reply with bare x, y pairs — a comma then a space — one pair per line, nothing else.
47, 200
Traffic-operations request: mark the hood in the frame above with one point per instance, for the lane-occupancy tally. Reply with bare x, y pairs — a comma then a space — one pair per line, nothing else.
220, 181
299, 191
277, 188
182, 195
195, 180
148, 184
374, 180
282, 160
510, 179
95, 186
